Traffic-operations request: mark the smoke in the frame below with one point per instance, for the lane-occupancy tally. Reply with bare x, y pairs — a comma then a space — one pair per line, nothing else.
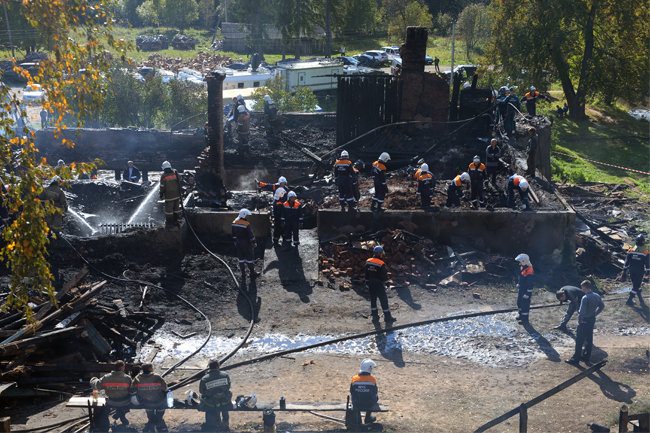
246, 182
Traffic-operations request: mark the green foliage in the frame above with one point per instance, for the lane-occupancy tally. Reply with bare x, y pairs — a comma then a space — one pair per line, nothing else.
148, 14
474, 25
24, 36
299, 100
401, 14
126, 11
207, 14
78, 32
595, 47
178, 13
442, 24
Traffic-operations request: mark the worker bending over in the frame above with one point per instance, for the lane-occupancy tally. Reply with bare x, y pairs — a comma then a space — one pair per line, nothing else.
455, 189
518, 184
245, 243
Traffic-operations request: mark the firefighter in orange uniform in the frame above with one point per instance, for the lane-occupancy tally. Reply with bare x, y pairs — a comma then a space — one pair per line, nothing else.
363, 393
344, 176
477, 179
292, 220
376, 277
455, 189
170, 190
525, 287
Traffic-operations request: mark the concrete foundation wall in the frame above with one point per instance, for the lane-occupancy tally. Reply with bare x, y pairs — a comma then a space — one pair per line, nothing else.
548, 237
211, 224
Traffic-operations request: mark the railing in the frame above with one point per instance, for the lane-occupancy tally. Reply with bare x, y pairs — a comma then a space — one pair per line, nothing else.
112, 229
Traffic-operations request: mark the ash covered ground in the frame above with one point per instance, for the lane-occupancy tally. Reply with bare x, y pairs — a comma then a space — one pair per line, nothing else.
467, 369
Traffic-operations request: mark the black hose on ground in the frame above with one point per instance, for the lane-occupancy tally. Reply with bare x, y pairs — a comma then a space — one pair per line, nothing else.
269, 356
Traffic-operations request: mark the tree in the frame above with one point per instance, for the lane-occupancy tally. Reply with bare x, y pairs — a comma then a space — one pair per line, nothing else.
148, 13
178, 13
401, 14
474, 25
78, 32
294, 19
302, 99
593, 47
360, 16
23, 35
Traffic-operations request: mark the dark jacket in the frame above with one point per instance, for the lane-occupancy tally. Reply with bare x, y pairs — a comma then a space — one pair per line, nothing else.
636, 262
426, 182
526, 277
379, 174
242, 232
170, 188
116, 385
343, 171
135, 175
215, 388
363, 391
492, 156
292, 213
376, 270
151, 390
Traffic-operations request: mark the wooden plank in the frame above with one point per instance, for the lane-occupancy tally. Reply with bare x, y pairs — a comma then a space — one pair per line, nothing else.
83, 402
61, 293
5, 424
33, 343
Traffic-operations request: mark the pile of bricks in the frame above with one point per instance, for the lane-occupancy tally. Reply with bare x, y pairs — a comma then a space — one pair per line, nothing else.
409, 257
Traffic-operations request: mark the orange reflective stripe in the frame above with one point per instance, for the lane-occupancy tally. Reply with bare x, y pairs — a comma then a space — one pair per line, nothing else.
343, 162
527, 271
296, 204
376, 261
364, 378
117, 384
516, 181
417, 173
379, 165
458, 181
172, 176
425, 176
241, 222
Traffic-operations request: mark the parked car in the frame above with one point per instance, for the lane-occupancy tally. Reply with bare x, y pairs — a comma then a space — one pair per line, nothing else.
469, 70
428, 60
33, 95
364, 60
395, 65
391, 52
347, 61
380, 58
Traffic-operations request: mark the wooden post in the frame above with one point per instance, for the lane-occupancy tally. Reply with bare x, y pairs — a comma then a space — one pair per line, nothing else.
523, 418
622, 420
5, 424
644, 422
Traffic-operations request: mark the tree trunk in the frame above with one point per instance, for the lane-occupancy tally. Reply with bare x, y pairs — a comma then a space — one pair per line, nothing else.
298, 28
328, 31
558, 59
585, 68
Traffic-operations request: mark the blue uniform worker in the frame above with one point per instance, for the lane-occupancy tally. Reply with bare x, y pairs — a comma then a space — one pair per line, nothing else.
525, 286
379, 178
637, 263
492, 155
344, 177
291, 219
376, 277
363, 393
245, 243
573, 295
518, 184
590, 306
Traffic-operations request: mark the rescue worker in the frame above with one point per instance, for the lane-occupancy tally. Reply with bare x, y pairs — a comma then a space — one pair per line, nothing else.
279, 197
525, 287
512, 105
416, 173
573, 295
455, 189
364, 393
243, 124
132, 174
343, 176
116, 386
379, 178
170, 191
270, 114
492, 155
590, 306
637, 263
531, 100
477, 179
231, 117
151, 390
54, 194
292, 220
520, 184
501, 105
242, 234
533, 144
376, 277
356, 168
215, 398
426, 183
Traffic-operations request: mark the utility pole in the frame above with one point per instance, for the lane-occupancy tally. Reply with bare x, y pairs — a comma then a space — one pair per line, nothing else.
225, 10
453, 41
4, 6
328, 31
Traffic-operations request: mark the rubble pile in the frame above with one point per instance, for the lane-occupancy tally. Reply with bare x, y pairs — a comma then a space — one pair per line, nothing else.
411, 256
152, 43
203, 62
184, 42
63, 345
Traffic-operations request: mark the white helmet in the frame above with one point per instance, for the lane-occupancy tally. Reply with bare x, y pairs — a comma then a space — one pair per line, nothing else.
523, 259
532, 88
464, 177
384, 157
345, 154
523, 184
367, 365
267, 98
55, 179
291, 194
476, 159
282, 179
279, 193
60, 163
241, 109
165, 165
466, 85
240, 98
424, 167
244, 213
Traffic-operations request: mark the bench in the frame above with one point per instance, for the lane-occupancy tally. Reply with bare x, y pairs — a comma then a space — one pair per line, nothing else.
261, 406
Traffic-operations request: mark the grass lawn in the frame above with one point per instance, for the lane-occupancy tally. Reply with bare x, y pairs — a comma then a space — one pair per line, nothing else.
437, 46
610, 135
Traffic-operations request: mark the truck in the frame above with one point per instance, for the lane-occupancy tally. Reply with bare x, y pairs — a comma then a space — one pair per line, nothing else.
315, 74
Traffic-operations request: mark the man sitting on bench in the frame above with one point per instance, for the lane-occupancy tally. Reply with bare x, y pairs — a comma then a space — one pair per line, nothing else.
363, 391
151, 390
116, 385
215, 398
